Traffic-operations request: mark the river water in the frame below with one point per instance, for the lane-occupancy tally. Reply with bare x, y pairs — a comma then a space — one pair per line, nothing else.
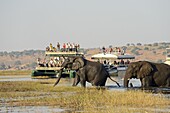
110, 85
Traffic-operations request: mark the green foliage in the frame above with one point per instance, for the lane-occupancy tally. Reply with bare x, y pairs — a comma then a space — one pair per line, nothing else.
33, 65
164, 53
139, 44
18, 62
135, 50
127, 44
146, 48
22, 53
155, 44
2, 66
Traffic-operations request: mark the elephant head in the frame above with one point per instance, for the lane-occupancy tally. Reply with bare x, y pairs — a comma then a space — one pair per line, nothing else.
68, 63
78, 63
137, 70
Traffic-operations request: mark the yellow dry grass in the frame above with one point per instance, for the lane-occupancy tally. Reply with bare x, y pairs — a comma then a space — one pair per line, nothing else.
79, 99
15, 72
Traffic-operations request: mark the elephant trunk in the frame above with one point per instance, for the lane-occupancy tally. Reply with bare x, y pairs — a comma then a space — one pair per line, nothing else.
59, 77
126, 81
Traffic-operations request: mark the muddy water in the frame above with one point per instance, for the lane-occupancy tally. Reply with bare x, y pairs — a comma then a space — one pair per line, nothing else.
110, 85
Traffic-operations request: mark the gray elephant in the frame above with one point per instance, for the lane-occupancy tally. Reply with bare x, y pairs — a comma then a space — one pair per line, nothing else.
93, 72
150, 74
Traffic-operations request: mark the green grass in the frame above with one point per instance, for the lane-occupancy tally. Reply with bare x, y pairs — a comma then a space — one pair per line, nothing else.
75, 98
15, 72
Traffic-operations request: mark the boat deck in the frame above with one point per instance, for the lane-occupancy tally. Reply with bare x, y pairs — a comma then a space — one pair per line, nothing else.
71, 53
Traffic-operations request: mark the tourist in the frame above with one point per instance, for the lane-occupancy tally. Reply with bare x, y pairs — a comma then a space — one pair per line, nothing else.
64, 47
39, 63
122, 61
51, 63
104, 50
76, 47
67, 47
58, 46
115, 63
55, 62
45, 63
51, 47
54, 49
111, 50
47, 48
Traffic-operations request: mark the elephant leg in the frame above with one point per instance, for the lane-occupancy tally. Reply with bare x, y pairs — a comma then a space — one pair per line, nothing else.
141, 80
83, 83
168, 82
147, 81
98, 82
76, 80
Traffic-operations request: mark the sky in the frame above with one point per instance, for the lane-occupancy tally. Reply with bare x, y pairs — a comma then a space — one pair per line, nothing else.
34, 24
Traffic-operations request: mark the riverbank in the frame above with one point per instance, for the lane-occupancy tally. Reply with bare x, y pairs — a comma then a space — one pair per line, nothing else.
76, 99
15, 72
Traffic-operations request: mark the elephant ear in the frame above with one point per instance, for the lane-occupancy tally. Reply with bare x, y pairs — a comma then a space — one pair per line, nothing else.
80, 62
145, 69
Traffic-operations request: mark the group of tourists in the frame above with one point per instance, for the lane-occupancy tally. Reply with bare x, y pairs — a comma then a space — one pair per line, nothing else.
113, 50
54, 62
121, 62
66, 47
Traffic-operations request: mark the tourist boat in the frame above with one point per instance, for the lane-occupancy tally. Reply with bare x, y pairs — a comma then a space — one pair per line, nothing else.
48, 71
114, 60
126, 60
167, 56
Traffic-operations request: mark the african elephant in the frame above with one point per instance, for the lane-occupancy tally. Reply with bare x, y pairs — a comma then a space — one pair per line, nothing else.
93, 72
150, 74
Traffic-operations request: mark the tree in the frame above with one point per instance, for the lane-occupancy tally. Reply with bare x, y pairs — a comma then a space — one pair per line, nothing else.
138, 44
17, 62
132, 44
146, 48
2, 66
155, 44
127, 44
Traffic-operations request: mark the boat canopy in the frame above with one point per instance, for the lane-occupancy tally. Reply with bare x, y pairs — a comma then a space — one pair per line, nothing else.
112, 56
167, 62
104, 56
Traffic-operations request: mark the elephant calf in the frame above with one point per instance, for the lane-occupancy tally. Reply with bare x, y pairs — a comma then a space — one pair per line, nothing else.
150, 74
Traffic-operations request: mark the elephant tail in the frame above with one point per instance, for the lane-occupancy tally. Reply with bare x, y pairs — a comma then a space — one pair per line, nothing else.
114, 81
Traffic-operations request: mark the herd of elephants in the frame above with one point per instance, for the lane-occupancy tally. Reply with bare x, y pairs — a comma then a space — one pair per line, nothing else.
150, 74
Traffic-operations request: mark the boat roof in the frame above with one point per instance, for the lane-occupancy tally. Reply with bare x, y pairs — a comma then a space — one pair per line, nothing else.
104, 56
112, 56
73, 53
167, 62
